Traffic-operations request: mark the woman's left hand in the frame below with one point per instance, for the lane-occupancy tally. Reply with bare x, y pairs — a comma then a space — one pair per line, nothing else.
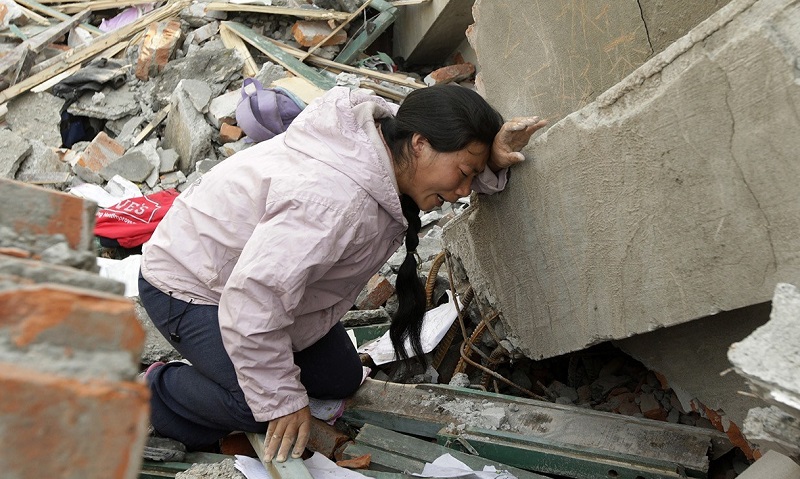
511, 139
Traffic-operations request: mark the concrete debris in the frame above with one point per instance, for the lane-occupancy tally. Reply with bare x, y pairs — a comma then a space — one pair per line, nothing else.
173, 119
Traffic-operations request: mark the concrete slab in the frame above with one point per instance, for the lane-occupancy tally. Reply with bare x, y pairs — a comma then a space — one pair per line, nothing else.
692, 356
672, 197
552, 58
429, 32
35, 116
774, 466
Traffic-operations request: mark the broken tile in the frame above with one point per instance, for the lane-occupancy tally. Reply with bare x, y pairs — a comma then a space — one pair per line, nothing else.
309, 33
451, 74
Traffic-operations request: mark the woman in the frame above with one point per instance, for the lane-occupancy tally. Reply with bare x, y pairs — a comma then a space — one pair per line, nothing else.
250, 271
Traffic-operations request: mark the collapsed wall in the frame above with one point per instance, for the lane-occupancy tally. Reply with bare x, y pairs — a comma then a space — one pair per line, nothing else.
671, 197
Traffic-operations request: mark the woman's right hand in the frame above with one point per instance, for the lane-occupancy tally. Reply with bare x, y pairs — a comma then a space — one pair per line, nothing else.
285, 431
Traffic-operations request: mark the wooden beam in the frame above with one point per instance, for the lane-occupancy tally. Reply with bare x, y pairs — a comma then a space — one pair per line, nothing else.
87, 52
231, 40
341, 67
336, 30
295, 12
548, 457
277, 55
402, 408
100, 5
20, 60
34, 5
400, 453
160, 117
289, 469
400, 3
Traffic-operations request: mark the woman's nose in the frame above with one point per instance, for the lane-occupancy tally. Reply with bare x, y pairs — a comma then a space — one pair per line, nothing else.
464, 188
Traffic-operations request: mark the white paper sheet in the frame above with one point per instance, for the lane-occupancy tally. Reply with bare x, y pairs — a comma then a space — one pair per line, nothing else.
447, 466
434, 327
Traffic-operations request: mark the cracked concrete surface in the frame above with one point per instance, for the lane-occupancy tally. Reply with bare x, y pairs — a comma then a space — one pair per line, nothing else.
672, 197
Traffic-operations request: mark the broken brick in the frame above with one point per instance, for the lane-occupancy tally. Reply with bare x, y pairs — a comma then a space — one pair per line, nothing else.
64, 427
377, 291
71, 318
160, 42
101, 152
310, 33
651, 408
229, 133
451, 74
326, 439
48, 212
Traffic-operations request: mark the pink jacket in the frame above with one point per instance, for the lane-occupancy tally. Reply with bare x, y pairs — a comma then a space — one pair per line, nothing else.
283, 236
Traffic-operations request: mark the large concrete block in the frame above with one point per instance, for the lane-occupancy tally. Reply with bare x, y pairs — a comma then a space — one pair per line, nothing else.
552, 58
429, 32
671, 197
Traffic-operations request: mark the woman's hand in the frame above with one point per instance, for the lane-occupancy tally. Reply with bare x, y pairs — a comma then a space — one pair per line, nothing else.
293, 428
511, 139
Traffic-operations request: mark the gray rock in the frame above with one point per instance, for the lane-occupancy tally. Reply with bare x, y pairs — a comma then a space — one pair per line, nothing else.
169, 160
134, 166
43, 166
13, 149
187, 131
114, 104
34, 116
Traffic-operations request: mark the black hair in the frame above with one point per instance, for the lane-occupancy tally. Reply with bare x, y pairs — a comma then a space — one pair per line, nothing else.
450, 117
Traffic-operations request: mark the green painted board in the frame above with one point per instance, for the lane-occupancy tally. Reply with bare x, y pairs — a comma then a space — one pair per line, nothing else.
403, 446
286, 60
530, 453
368, 333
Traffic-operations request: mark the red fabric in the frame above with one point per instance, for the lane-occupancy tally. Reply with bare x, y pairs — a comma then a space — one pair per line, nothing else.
131, 222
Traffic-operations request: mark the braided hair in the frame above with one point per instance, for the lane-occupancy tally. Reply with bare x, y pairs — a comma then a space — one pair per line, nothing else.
450, 117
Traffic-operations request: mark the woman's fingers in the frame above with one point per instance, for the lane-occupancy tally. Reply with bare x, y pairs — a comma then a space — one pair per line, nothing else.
284, 432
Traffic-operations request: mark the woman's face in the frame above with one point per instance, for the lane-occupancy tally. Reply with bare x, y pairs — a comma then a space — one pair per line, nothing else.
435, 177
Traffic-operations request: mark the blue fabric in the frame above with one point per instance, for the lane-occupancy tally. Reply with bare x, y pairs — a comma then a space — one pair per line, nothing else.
200, 403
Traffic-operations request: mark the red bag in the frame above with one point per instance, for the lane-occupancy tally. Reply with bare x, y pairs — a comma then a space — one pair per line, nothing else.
131, 222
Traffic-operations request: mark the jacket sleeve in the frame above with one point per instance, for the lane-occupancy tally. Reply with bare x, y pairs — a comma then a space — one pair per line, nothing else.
489, 182
295, 243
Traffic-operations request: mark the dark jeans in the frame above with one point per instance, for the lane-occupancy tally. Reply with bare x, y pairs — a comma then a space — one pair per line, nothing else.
200, 403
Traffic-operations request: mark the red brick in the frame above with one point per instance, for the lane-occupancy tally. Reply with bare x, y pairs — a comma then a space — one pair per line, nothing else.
101, 152
732, 430
229, 133
326, 439
70, 317
451, 74
377, 291
33, 210
310, 33
237, 443
651, 408
159, 44
59, 427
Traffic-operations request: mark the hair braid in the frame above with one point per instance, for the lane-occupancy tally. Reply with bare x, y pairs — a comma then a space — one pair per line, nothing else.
407, 321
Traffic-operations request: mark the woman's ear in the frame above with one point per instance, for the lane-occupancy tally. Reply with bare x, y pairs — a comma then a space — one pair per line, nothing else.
418, 144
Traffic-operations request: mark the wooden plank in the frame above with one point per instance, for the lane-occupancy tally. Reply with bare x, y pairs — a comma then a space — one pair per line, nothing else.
418, 409
277, 55
382, 460
289, 469
341, 67
336, 30
87, 52
401, 3
160, 116
34, 5
402, 448
295, 12
364, 39
231, 40
564, 460
100, 5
